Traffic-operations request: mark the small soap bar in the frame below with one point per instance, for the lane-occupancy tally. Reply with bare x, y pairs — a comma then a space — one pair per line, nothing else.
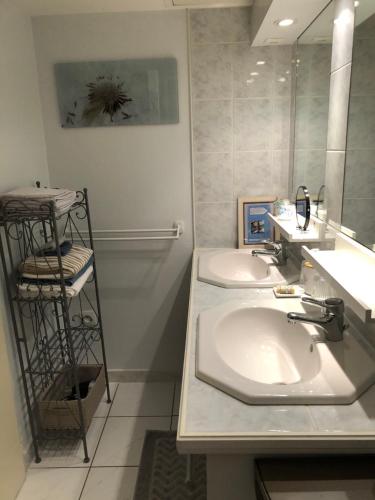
283, 291
286, 290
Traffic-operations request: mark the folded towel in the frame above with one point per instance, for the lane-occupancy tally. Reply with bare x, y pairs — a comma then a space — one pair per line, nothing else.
31, 291
36, 199
53, 279
47, 267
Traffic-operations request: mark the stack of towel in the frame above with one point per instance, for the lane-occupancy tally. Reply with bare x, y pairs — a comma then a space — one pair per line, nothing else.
40, 274
28, 199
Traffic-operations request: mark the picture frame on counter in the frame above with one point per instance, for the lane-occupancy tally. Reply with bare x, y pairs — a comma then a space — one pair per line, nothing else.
253, 222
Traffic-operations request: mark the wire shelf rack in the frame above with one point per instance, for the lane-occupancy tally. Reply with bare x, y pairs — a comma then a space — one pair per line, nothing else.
54, 340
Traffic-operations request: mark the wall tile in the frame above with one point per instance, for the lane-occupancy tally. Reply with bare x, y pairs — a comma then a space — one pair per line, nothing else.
216, 224
357, 214
311, 165
253, 124
338, 108
213, 177
342, 34
365, 29
311, 122
314, 69
271, 78
252, 173
361, 122
244, 64
220, 25
281, 123
363, 78
212, 126
235, 116
280, 173
211, 76
282, 70
334, 182
360, 174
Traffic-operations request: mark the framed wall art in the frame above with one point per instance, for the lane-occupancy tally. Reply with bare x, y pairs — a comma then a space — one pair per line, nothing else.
113, 93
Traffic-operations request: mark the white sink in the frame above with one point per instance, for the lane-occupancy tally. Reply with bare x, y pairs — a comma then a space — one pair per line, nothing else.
252, 353
239, 269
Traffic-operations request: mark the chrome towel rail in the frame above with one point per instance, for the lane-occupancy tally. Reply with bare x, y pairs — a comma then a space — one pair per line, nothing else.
177, 230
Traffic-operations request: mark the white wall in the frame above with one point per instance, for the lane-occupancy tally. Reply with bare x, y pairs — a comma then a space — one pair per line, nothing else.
137, 176
22, 152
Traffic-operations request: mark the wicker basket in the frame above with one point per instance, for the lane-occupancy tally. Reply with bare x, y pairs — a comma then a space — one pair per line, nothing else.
56, 414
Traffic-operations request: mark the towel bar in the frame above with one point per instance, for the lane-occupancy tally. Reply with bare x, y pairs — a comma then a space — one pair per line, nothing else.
177, 229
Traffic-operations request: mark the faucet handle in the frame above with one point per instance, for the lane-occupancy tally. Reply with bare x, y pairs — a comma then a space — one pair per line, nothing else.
315, 302
332, 304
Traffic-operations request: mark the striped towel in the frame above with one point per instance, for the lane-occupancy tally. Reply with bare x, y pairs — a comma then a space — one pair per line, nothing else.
47, 267
36, 199
31, 291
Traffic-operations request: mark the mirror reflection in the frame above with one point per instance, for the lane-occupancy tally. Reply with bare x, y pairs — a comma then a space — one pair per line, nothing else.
313, 65
302, 208
358, 216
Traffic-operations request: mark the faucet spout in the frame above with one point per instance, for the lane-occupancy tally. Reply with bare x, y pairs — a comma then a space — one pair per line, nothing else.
277, 250
332, 320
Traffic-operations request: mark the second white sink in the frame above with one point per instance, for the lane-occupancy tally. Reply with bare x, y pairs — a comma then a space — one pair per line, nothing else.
239, 269
251, 352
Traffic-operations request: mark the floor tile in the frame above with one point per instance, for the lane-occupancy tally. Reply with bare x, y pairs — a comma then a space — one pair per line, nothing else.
177, 396
150, 399
122, 440
104, 407
68, 453
56, 484
110, 483
174, 424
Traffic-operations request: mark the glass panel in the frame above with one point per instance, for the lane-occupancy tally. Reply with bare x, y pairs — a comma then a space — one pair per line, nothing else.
358, 218
313, 66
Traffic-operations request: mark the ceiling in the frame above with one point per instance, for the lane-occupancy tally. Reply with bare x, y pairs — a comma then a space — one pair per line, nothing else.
267, 32
55, 7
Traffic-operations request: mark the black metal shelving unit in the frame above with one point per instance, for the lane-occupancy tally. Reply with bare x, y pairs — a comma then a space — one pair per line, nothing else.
52, 334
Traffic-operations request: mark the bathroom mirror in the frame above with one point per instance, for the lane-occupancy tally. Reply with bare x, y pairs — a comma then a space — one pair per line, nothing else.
358, 215
302, 208
312, 80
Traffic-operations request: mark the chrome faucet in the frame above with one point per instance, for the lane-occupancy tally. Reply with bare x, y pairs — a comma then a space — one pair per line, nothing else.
332, 319
278, 250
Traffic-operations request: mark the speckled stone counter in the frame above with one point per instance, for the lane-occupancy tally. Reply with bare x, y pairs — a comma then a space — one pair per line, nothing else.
214, 422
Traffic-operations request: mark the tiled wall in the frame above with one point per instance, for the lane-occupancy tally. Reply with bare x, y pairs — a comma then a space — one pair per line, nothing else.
359, 189
338, 106
240, 120
313, 68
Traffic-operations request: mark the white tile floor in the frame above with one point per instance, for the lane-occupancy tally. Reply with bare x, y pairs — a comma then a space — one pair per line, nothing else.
115, 441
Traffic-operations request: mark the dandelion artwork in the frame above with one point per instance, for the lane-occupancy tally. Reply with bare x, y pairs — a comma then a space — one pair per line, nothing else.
114, 93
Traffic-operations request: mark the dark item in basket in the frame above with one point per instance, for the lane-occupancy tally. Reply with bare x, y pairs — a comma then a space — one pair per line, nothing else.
56, 413
83, 391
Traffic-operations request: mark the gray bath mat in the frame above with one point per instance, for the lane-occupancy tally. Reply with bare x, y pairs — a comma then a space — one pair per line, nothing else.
162, 473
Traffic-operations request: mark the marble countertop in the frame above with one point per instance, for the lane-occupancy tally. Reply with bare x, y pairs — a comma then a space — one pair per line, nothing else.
212, 421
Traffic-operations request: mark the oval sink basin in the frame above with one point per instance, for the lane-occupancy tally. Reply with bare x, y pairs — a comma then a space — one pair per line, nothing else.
264, 352
250, 351
239, 269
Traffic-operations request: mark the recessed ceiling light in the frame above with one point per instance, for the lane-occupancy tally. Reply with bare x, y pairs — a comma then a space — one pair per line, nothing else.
254, 73
261, 63
284, 23
356, 3
281, 79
